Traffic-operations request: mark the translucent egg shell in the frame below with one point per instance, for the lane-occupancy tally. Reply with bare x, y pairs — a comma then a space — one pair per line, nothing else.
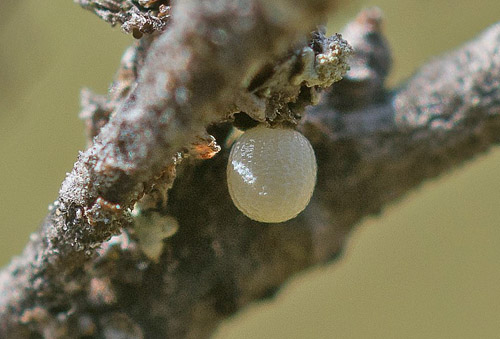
271, 173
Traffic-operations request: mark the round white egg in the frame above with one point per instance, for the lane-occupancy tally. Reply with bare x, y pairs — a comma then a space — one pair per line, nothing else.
271, 173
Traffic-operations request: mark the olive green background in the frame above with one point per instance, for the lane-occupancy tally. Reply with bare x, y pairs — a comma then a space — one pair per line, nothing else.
429, 267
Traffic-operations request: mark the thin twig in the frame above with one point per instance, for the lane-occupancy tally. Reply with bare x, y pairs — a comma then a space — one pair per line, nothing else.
368, 155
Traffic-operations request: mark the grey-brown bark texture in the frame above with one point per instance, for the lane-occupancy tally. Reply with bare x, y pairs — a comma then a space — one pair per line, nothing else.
177, 89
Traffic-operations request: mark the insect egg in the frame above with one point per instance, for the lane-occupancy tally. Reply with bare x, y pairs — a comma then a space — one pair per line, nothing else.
271, 173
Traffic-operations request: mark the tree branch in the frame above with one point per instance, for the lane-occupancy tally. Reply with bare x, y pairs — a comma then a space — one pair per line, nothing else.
136, 17
372, 146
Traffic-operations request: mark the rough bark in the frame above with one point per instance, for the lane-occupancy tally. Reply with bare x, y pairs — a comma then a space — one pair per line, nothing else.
134, 16
372, 146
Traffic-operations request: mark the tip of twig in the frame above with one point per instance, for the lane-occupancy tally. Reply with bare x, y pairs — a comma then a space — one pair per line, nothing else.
371, 18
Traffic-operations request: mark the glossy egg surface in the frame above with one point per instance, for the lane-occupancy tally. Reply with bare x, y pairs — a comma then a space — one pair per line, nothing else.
271, 173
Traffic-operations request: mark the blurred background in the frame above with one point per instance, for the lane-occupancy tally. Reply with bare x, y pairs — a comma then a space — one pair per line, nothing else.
428, 267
